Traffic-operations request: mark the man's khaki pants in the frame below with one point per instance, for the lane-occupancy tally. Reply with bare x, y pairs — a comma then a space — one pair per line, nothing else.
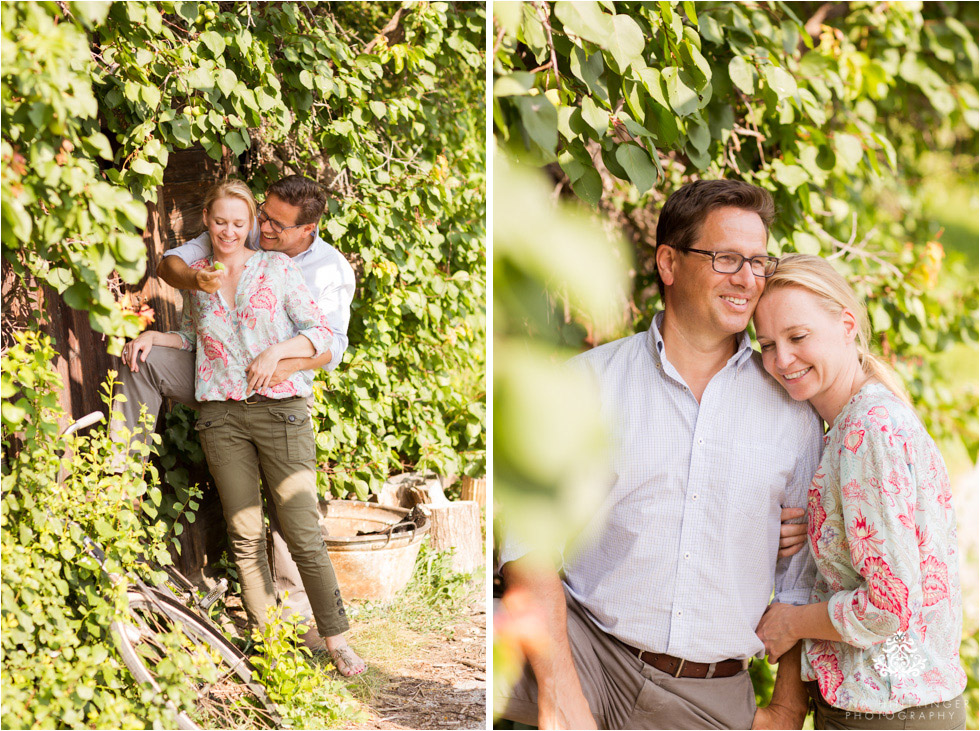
626, 693
169, 373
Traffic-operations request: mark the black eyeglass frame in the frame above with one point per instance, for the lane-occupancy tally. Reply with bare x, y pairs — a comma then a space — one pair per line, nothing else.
713, 254
262, 216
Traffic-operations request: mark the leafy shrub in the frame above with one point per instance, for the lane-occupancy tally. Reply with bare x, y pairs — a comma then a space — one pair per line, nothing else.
60, 668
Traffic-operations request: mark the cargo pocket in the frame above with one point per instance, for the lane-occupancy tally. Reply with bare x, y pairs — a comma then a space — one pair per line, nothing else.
293, 434
211, 438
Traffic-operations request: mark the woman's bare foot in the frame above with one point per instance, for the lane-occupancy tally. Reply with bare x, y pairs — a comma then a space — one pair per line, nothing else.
344, 658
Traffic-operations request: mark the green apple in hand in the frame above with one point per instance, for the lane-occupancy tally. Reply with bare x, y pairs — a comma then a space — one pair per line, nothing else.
219, 267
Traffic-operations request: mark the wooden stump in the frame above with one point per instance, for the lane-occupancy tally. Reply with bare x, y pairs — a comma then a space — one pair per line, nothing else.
475, 489
457, 526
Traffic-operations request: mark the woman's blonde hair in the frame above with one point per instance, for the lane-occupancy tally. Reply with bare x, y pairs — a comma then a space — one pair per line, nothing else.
818, 276
231, 188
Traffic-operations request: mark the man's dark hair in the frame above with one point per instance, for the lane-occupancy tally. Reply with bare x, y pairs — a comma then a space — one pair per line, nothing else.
303, 193
686, 209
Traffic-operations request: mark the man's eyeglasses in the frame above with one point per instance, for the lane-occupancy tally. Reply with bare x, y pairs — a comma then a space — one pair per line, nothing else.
729, 262
276, 226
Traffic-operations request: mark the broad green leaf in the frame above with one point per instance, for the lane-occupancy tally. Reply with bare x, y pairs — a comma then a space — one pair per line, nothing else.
200, 79
710, 29
589, 187
237, 140
516, 84
881, 321
806, 243
625, 42
585, 20
540, 120
742, 74
595, 117
227, 81
214, 41
780, 81
663, 123
636, 163
696, 64
683, 99
791, 176
699, 135
849, 151
589, 69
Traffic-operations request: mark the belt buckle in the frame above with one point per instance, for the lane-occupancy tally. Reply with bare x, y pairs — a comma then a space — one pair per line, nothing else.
249, 402
680, 668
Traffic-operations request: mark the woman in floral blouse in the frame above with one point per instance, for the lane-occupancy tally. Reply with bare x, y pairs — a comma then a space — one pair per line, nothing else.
261, 313
881, 638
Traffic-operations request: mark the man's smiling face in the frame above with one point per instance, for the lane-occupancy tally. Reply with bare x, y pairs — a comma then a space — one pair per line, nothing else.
291, 241
714, 303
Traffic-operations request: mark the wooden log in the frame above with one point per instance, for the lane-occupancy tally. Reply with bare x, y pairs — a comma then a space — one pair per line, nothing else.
475, 489
456, 526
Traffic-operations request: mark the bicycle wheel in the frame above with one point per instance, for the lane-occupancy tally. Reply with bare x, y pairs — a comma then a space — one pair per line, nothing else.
226, 691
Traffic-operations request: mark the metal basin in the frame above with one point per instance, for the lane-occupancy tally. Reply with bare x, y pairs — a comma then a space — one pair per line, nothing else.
375, 566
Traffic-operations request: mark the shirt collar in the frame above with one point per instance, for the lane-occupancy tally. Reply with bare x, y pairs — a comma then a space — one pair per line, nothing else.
743, 351
317, 244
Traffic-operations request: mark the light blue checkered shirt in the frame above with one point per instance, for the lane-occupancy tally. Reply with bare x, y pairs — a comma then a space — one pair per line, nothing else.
682, 558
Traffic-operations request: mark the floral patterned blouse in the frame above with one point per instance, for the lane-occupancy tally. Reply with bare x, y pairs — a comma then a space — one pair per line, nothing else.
883, 534
272, 304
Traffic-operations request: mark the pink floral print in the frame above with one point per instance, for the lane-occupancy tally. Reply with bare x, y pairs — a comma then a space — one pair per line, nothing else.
228, 337
883, 535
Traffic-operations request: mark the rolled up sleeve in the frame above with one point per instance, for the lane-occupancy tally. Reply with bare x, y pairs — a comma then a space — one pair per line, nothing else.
884, 551
304, 312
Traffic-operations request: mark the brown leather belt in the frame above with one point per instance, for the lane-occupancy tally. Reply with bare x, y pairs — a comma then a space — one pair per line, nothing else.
685, 669
259, 399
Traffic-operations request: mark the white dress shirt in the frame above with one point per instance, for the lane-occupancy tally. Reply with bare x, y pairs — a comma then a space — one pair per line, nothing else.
327, 274
681, 559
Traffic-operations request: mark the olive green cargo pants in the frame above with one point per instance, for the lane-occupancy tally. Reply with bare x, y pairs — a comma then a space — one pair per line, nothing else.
276, 437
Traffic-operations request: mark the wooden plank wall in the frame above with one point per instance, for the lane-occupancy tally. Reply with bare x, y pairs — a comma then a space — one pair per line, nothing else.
83, 362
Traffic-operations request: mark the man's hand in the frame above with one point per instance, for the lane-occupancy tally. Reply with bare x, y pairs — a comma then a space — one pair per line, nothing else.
775, 716
210, 280
135, 352
792, 536
777, 629
261, 370
536, 591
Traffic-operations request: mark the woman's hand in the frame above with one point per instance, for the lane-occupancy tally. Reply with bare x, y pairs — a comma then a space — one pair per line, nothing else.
777, 629
136, 351
261, 370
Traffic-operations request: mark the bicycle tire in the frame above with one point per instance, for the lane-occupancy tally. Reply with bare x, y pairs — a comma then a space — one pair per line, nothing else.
234, 700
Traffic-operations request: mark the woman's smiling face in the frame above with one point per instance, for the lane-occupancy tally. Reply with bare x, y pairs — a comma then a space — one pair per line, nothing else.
229, 222
804, 347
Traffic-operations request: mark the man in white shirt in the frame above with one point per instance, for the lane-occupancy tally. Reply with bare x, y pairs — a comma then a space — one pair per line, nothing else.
287, 222
652, 620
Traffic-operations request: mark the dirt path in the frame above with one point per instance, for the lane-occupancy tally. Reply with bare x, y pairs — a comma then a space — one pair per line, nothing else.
442, 685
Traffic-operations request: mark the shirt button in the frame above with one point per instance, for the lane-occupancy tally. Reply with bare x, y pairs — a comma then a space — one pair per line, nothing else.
687, 555
694, 496
700, 441
680, 613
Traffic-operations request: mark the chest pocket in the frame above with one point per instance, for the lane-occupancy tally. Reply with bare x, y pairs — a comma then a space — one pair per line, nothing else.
757, 479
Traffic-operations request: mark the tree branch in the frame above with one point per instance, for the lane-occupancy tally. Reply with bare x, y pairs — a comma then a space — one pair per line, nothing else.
827, 11
392, 32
